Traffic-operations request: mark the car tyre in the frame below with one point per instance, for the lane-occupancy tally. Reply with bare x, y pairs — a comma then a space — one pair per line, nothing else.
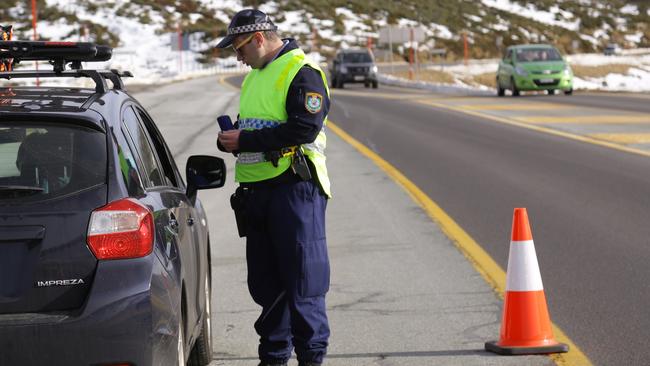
568, 92
201, 354
339, 84
515, 91
550, 91
500, 91
375, 84
367, 85
333, 82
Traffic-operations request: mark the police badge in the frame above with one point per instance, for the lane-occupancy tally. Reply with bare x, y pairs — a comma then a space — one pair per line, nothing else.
313, 102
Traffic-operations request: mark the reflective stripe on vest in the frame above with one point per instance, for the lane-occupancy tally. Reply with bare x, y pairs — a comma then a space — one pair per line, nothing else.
262, 105
254, 124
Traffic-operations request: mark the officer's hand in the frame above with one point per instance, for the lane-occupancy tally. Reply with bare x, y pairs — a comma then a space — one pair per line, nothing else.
229, 140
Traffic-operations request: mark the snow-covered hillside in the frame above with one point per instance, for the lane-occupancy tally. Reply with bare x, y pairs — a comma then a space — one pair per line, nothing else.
146, 49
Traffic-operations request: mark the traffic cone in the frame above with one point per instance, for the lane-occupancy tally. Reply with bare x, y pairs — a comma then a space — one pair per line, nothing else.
526, 325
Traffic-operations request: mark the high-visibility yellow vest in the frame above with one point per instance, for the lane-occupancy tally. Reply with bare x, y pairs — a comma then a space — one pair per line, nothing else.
262, 104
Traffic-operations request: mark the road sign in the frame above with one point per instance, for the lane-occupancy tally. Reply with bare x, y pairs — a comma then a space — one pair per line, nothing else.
175, 44
394, 34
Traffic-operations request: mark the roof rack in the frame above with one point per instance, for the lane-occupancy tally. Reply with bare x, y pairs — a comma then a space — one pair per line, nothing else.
60, 54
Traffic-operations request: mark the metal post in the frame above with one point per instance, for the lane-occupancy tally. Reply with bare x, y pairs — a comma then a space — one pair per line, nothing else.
465, 47
34, 14
411, 57
180, 47
390, 46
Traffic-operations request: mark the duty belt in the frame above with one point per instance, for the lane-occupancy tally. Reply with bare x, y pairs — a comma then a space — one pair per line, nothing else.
259, 157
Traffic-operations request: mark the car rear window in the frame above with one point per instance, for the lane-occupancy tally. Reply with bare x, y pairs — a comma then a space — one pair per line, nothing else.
44, 161
538, 55
356, 57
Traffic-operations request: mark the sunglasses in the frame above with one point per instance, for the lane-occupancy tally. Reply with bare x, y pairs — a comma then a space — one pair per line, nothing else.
243, 43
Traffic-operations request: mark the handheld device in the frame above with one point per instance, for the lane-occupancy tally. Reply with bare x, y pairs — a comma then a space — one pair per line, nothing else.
225, 123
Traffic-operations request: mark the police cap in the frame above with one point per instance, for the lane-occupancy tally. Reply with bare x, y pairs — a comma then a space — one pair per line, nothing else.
247, 21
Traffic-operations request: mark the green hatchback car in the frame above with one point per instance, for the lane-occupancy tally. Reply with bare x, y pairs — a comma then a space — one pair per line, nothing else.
533, 67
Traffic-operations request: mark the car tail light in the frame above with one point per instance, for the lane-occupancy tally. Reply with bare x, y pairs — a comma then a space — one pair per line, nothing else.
122, 229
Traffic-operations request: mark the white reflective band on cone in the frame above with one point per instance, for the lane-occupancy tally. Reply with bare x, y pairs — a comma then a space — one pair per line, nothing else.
523, 270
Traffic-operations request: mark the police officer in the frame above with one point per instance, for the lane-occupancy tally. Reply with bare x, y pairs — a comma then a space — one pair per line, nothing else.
280, 144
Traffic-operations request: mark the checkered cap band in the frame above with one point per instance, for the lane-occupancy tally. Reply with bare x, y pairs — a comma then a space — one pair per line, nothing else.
252, 28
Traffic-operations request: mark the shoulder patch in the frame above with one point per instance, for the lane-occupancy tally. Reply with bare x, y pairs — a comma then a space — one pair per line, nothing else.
313, 102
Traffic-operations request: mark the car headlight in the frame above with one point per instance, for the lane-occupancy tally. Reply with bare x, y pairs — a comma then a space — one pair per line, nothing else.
521, 71
344, 70
567, 70
374, 69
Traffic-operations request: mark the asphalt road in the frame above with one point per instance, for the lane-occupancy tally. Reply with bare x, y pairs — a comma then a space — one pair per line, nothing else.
630, 102
589, 205
401, 293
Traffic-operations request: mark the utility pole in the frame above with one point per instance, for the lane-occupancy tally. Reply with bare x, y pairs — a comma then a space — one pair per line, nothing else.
180, 46
390, 46
34, 19
465, 47
411, 55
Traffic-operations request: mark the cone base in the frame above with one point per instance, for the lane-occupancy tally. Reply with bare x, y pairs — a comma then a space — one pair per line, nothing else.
506, 350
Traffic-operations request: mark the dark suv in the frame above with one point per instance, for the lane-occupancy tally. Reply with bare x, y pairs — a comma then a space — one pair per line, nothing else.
353, 66
104, 249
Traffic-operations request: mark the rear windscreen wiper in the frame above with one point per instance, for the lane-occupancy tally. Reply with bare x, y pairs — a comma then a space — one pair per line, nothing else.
16, 191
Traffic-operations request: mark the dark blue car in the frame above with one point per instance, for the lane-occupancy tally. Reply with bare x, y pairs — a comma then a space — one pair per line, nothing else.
104, 248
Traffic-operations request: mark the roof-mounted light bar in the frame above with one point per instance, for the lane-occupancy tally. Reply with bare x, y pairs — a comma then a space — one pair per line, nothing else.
58, 54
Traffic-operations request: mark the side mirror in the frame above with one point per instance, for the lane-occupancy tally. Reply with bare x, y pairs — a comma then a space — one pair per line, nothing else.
204, 172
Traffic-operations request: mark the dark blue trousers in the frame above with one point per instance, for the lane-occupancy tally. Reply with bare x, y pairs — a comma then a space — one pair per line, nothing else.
288, 270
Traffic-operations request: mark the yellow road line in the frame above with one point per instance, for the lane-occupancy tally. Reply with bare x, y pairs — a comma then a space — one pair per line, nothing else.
541, 129
623, 138
620, 95
595, 119
454, 98
479, 258
222, 80
513, 107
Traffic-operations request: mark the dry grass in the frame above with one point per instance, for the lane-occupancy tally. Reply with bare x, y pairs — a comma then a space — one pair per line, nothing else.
435, 76
487, 79
599, 71
432, 76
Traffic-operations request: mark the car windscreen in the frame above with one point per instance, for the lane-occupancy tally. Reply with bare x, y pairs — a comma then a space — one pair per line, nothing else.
44, 161
357, 58
538, 55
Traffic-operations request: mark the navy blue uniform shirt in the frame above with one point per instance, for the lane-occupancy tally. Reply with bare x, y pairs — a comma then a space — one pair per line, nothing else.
302, 126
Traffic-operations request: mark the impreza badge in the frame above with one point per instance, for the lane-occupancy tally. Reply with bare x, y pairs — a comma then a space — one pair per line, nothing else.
50, 283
